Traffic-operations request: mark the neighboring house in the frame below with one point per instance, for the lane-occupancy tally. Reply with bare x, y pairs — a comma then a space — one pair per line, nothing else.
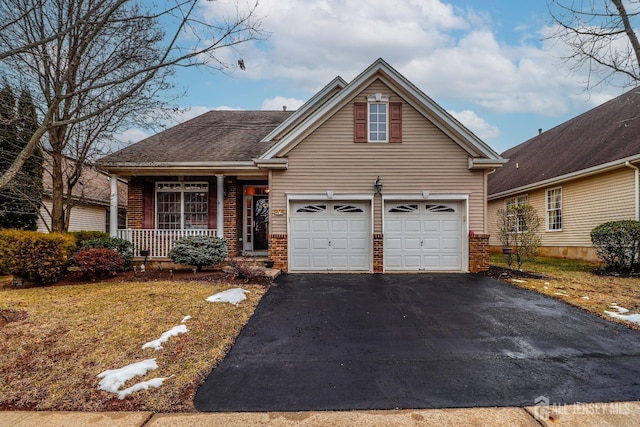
368, 176
577, 175
91, 197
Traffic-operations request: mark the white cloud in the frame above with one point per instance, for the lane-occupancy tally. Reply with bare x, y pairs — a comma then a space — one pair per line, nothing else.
476, 124
276, 103
451, 53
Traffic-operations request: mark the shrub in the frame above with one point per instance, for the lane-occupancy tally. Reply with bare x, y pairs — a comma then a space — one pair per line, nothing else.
199, 251
123, 247
518, 229
617, 244
81, 236
98, 262
33, 256
249, 274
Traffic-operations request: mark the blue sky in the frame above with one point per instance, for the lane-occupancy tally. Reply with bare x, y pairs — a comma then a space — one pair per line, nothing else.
487, 62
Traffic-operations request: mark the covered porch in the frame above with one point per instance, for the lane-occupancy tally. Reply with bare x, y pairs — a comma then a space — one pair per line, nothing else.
166, 208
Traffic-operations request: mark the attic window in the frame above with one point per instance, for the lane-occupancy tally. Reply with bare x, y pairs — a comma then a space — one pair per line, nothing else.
378, 120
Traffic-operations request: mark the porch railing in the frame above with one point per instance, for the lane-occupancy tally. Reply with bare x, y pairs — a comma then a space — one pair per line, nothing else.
158, 242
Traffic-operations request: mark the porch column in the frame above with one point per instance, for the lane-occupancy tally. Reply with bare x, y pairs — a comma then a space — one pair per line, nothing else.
220, 204
113, 213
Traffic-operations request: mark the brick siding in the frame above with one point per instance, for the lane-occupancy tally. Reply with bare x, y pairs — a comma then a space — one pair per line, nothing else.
231, 215
278, 251
378, 253
478, 253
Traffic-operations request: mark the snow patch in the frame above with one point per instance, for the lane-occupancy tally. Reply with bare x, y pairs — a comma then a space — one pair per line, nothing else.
585, 297
621, 310
561, 294
518, 281
144, 385
633, 318
185, 318
157, 344
113, 379
233, 296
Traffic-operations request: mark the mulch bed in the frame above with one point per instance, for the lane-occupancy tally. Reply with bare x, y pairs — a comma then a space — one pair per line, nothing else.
502, 273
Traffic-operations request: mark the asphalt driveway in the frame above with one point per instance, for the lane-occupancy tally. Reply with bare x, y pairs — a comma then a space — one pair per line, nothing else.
338, 342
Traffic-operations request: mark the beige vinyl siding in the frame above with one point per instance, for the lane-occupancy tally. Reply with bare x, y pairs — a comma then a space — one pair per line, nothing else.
586, 203
426, 160
83, 217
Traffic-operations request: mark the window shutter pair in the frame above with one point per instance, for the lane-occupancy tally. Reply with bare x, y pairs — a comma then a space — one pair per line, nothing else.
360, 122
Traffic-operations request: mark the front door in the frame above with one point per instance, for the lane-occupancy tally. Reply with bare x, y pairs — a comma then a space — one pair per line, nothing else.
260, 223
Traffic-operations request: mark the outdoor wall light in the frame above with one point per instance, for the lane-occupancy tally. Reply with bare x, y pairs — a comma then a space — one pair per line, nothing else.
378, 185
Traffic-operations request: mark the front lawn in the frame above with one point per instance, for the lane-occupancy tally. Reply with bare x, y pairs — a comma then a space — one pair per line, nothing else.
572, 281
55, 340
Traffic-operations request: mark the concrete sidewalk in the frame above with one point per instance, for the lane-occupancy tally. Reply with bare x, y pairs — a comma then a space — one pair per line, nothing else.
617, 414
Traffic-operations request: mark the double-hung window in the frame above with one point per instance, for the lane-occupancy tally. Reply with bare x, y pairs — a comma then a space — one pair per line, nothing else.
182, 205
554, 209
512, 204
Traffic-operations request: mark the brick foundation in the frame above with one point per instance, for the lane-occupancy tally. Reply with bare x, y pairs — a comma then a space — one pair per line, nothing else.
378, 253
278, 251
478, 253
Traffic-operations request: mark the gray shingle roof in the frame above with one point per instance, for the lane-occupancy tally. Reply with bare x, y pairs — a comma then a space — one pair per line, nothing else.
211, 137
604, 134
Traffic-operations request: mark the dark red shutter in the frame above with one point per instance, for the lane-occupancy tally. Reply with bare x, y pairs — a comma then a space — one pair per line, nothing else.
148, 202
360, 122
213, 206
395, 122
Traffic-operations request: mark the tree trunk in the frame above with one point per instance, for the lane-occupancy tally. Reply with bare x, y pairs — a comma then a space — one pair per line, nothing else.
57, 196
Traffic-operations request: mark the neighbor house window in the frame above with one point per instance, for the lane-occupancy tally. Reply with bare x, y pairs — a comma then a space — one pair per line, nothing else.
182, 205
511, 204
554, 209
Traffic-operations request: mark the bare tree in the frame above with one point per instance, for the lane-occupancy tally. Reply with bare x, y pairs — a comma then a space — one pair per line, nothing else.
518, 227
95, 67
601, 35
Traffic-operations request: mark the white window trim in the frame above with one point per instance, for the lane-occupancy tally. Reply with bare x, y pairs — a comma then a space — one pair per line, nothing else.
547, 210
377, 98
182, 190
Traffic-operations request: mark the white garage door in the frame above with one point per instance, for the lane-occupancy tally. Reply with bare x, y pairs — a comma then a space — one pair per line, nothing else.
423, 236
330, 236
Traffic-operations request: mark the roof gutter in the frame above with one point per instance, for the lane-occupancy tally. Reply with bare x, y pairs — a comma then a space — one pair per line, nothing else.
605, 167
637, 187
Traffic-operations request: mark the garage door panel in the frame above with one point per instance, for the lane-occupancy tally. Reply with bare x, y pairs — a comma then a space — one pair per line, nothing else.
422, 236
319, 262
319, 226
411, 226
322, 243
450, 225
340, 226
431, 226
359, 244
339, 243
450, 243
301, 244
411, 243
301, 226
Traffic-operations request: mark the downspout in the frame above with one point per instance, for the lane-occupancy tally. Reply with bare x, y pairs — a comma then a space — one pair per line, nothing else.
637, 188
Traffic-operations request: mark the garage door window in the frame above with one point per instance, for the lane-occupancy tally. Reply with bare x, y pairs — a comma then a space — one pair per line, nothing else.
404, 209
347, 209
312, 209
439, 208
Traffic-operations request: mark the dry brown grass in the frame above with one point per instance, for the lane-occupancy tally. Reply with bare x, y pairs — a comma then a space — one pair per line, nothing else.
572, 282
49, 360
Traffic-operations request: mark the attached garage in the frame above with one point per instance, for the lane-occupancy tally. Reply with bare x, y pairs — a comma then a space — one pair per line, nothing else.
330, 236
423, 236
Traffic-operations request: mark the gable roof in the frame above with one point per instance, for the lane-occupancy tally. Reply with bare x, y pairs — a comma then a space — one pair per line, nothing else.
468, 141
215, 136
606, 136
